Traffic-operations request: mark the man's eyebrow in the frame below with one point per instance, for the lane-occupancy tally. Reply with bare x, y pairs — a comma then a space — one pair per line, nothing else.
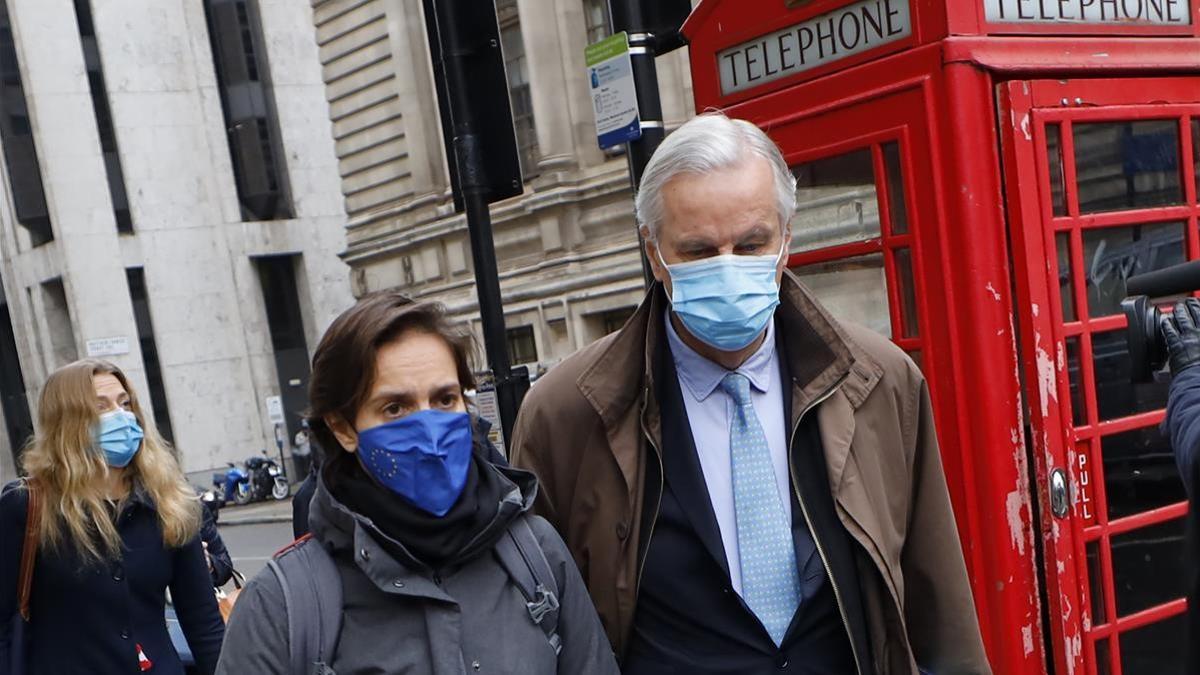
694, 244
760, 231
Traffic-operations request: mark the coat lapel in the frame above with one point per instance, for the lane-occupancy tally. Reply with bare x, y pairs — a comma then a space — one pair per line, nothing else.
681, 465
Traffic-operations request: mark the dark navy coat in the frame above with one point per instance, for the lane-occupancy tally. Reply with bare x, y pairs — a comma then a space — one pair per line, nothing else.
1183, 424
90, 618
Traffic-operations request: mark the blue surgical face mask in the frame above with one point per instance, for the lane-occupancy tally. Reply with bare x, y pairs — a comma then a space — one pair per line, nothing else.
423, 457
119, 437
726, 300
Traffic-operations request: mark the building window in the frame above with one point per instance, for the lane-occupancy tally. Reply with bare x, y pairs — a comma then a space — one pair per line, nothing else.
104, 124
20, 151
251, 124
136, 277
517, 69
285, 321
60, 329
612, 321
521, 346
595, 17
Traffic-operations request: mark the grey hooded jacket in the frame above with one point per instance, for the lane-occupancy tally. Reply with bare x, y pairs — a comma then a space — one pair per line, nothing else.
400, 617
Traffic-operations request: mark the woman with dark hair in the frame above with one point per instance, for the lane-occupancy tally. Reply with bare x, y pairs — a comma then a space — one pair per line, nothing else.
420, 526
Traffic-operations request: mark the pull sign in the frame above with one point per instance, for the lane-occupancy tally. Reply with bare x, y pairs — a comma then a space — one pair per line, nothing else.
1059, 499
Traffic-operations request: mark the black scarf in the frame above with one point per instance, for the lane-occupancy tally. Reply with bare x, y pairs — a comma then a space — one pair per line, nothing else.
433, 541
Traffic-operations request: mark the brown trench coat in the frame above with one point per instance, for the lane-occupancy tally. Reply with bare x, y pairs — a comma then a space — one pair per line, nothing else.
584, 427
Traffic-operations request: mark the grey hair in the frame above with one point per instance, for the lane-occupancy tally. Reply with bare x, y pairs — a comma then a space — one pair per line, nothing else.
706, 143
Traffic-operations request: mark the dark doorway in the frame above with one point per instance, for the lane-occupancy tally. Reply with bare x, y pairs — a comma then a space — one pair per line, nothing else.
136, 277
17, 418
277, 274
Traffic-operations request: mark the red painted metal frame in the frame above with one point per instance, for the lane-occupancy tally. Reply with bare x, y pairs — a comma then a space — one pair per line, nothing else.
1035, 224
1029, 55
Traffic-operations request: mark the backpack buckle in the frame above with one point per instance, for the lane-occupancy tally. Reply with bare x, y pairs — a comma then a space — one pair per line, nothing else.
547, 602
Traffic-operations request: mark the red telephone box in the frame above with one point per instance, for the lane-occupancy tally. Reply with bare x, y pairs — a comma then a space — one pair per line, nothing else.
977, 178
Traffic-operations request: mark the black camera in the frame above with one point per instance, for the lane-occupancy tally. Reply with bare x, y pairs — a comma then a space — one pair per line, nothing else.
1143, 334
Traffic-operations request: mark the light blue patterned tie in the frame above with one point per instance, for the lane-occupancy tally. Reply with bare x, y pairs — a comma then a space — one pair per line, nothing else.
770, 581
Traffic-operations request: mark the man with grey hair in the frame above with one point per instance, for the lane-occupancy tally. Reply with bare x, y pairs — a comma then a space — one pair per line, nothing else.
747, 484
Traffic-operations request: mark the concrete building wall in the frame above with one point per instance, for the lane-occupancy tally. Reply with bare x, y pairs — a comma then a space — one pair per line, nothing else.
197, 253
567, 247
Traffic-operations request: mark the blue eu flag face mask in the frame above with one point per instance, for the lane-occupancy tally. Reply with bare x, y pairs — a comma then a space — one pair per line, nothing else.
423, 457
119, 437
725, 301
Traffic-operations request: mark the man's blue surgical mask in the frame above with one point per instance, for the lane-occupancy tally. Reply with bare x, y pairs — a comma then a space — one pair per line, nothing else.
726, 300
423, 457
119, 437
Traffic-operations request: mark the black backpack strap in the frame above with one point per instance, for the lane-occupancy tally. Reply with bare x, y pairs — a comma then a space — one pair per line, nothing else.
312, 595
522, 557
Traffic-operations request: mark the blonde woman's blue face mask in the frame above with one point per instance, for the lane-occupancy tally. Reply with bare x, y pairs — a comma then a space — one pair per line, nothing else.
119, 437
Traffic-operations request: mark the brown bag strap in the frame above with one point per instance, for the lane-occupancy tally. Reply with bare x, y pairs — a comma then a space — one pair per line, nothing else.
33, 519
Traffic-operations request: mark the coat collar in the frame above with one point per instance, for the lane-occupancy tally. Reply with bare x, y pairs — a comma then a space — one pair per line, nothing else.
340, 529
819, 355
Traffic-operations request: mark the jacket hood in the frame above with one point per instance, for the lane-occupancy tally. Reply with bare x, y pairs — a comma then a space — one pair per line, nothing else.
335, 525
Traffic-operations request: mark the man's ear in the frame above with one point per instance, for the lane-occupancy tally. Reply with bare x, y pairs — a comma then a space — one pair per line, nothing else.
343, 431
652, 254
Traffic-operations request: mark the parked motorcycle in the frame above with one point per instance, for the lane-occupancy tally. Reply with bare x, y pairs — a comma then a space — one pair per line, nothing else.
259, 478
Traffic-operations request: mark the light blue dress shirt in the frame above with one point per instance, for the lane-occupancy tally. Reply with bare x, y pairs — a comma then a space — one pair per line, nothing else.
710, 412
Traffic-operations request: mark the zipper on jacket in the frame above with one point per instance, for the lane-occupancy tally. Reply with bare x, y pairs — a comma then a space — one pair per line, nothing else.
657, 505
837, 594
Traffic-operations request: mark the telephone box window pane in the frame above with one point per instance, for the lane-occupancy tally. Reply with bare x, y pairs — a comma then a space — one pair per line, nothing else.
853, 289
1095, 583
1054, 158
1075, 375
1139, 472
836, 201
1103, 657
1148, 566
1113, 254
908, 292
895, 179
1196, 156
1127, 165
1147, 650
1116, 396
917, 359
1062, 243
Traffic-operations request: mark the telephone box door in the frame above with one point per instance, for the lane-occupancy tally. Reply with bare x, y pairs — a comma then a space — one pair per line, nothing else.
1101, 184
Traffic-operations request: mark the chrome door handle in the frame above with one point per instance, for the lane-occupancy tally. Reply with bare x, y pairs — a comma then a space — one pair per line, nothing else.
1059, 497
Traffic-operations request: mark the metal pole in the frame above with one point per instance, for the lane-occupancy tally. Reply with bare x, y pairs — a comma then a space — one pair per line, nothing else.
487, 282
473, 186
627, 16
279, 445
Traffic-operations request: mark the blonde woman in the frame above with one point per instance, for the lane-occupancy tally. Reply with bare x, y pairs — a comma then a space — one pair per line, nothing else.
118, 528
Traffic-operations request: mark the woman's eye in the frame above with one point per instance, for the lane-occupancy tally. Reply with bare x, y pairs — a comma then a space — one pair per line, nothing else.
449, 401
392, 410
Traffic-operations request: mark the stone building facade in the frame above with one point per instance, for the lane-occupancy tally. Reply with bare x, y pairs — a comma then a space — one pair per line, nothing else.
570, 270
171, 200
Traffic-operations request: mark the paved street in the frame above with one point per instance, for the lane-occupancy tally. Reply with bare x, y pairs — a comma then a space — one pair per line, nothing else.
252, 545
